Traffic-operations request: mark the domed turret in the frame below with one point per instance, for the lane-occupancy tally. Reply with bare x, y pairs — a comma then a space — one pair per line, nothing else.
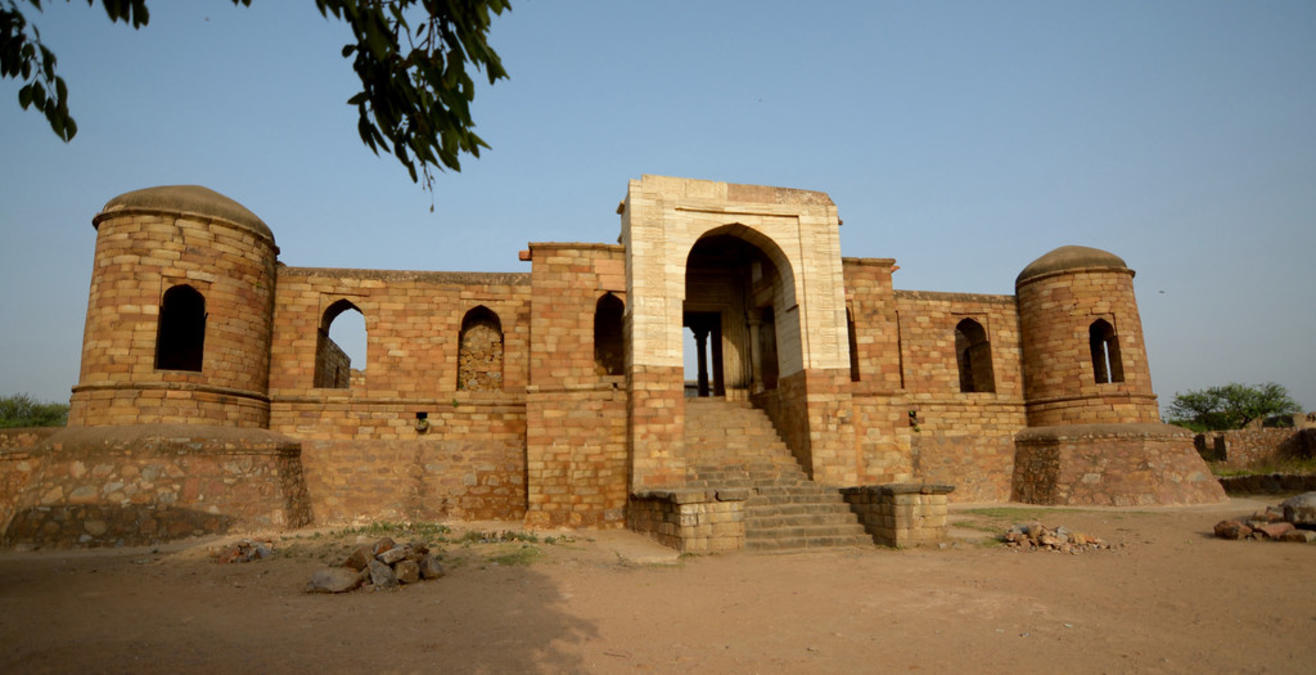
179, 315
1083, 355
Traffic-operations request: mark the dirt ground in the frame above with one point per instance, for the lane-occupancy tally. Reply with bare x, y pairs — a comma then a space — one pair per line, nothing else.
1170, 599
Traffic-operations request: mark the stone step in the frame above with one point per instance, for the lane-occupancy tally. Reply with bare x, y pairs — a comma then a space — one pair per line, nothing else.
730, 444
805, 543
762, 523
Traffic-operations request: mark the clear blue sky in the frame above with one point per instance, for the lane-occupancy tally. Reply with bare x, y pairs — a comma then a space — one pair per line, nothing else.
962, 139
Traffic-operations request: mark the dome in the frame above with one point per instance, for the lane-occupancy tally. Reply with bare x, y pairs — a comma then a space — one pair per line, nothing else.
1070, 258
189, 199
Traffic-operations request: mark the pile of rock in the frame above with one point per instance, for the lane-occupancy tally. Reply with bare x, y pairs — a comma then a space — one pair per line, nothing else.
246, 550
1035, 536
382, 565
1293, 520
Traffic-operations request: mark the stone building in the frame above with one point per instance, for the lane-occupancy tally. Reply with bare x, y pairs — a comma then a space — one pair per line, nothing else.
558, 395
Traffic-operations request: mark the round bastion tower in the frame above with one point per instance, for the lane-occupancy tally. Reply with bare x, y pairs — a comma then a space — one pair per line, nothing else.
180, 312
1083, 354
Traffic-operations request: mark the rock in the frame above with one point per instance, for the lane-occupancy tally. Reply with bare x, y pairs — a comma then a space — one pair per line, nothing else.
1231, 529
407, 571
1274, 530
359, 558
1270, 515
381, 575
1301, 510
333, 580
382, 545
431, 568
1299, 536
393, 555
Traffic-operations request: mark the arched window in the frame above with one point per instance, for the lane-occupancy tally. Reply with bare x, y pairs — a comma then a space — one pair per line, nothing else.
480, 355
333, 365
973, 355
1106, 364
854, 346
180, 336
609, 348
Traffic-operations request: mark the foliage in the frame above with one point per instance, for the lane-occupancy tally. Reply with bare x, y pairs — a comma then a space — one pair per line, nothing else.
1231, 406
21, 410
410, 55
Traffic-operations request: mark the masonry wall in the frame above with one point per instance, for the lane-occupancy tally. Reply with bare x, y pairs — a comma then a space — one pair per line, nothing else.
576, 443
1055, 313
364, 457
965, 439
1111, 465
140, 255
1243, 448
140, 484
882, 430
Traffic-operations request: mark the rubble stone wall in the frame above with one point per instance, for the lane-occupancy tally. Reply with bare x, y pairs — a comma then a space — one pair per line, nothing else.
129, 485
1243, 448
1111, 465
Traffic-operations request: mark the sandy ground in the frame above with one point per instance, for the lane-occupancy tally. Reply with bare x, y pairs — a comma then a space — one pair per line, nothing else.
1171, 599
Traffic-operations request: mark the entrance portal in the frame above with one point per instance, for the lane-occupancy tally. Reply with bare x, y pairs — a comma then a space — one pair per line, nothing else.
731, 290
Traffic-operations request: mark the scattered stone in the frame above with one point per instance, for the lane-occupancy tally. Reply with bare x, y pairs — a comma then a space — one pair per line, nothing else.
382, 576
431, 568
359, 558
1271, 530
1299, 536
334, 580
407, 571
1231, 529
1035, 536
246, 550
393, 555
382, 545
1301, 510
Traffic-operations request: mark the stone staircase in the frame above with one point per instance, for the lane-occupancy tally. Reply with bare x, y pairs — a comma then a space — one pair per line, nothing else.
730, 444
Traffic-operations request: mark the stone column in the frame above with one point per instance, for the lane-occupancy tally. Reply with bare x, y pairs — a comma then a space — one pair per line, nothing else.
701, 339
755, 357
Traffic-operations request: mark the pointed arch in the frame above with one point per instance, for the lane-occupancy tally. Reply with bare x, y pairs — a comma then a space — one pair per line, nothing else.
609, 345
480, 351
1107, 366
973, 356
333, 367
180, 336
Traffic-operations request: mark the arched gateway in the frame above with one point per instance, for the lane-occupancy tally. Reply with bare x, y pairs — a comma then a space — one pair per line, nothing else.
756, 272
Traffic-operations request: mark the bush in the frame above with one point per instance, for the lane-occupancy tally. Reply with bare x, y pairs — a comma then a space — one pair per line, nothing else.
21, 410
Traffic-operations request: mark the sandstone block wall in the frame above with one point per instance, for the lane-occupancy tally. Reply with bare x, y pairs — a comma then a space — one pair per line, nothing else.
961, 438
576, 443
140, 255
365, 460
364, 457
1055, 313
901, 515
691, 521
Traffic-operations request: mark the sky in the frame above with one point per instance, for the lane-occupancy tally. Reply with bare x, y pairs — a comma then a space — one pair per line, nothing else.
963, 139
